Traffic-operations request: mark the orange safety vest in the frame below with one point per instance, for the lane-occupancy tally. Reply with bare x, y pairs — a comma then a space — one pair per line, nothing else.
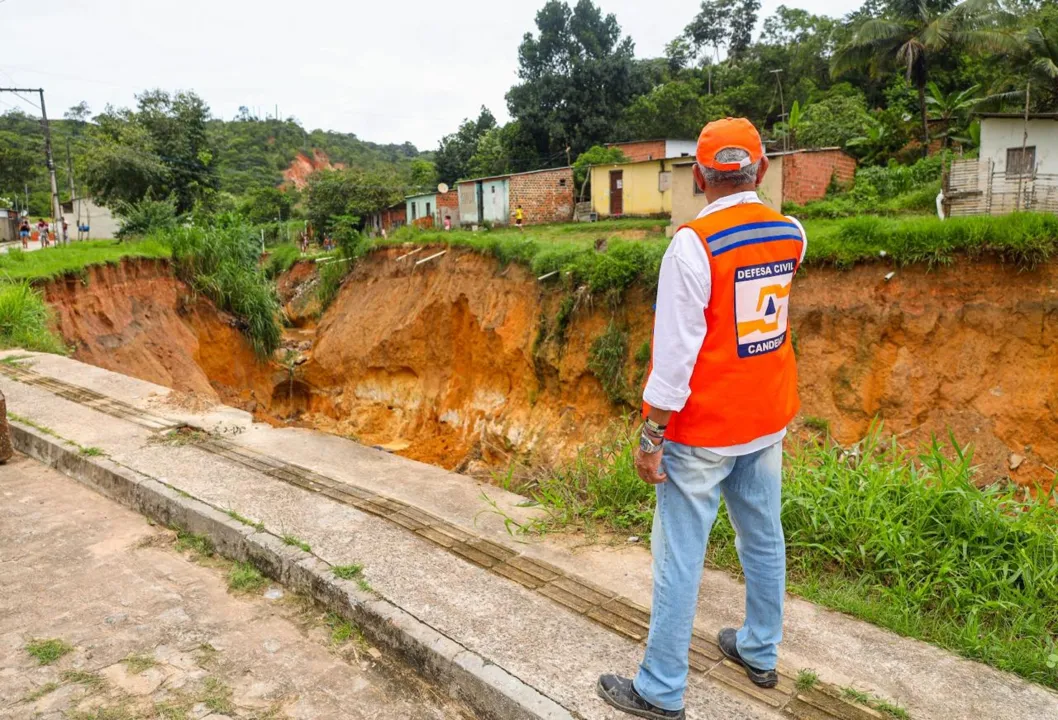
744, 383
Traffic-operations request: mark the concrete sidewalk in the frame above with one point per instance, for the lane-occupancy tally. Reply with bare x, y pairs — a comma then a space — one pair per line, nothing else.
435, 544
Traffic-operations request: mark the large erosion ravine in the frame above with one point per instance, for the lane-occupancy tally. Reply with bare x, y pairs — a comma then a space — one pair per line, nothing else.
458, 362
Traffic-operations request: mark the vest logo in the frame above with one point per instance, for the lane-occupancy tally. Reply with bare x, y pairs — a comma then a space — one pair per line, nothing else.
762, 302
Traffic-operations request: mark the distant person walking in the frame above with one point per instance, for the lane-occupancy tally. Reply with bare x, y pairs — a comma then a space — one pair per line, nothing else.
24, 233
42, 232
448, 222
65, 232
519, 218
721, 390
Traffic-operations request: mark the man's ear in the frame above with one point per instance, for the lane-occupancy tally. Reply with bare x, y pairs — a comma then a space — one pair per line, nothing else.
699, 179
762, 170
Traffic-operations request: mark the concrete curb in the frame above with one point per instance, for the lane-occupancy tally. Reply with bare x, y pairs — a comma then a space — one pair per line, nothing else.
472, 679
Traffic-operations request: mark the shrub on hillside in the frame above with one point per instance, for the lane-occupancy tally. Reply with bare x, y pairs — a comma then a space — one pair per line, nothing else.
221, 262
25, 320
145, 216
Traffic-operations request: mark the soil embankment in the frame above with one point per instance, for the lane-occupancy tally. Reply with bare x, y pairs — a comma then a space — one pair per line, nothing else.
461, 363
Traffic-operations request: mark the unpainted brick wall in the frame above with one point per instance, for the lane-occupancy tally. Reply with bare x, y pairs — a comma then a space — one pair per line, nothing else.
448, 204
394, 217
546, 197
642, 150
806, 175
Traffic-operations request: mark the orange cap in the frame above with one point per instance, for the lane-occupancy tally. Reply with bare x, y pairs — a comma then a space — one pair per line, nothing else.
729, 133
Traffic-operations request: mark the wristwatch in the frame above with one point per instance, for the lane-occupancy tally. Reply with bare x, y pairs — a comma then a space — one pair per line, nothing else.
647, 446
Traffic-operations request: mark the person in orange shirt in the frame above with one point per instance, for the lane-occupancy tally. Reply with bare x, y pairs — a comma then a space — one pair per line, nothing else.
721, 390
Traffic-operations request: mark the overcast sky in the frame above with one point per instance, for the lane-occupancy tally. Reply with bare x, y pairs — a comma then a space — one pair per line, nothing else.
389, 71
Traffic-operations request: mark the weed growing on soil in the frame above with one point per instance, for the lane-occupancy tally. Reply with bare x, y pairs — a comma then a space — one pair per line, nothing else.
806, 679
93, 681
221, 262
244, 577
40, 692
216, 695
113, 712
92, 451
606, 360
199, 545
893, 711
139, 663
48, 651
348, 572
42, 428
259, 526
821, 425
25, 320
910, 544
295, 542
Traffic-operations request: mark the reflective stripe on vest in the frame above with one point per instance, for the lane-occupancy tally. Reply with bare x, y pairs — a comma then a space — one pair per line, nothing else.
744, 383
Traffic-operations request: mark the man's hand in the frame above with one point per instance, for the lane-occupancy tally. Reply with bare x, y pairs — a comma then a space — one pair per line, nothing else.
648, 465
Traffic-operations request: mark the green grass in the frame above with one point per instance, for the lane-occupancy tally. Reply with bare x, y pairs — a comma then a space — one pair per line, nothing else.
244, 577
280, 259
342, 630
40, 692
806, 679
137, 664
52, 263
246, 521
348, 572
606, 360
893, 711
217, 696
47, 651
26, 320
199, 545
91, 680
295, 542
221, 262
37, 426
911, 544
92, 451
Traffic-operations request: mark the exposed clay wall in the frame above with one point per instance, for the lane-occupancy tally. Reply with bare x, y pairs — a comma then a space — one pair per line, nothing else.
456, 362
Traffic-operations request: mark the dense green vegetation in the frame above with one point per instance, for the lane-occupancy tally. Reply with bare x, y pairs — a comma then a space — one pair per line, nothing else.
25, 319
221, 261
74, 258
908, 543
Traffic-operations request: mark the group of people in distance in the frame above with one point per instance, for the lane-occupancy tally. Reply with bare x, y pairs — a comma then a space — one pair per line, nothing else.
44, 233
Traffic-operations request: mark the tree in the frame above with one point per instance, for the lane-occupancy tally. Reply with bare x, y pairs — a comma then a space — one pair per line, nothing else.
596, 155
78, 113
490, 156
676, 109
724, 23
423, 174
353, 193
913, 32
832, 122
953, 108
453, 155
268, 204
576, 76
1042, 46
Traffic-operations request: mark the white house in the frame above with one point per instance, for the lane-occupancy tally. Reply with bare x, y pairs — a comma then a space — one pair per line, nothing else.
102, 224
1002, 137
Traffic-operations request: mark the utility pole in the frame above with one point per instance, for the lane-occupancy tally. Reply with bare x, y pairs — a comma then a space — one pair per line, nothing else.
782, 107
73, 191
56, 207
569, 163
1024, 143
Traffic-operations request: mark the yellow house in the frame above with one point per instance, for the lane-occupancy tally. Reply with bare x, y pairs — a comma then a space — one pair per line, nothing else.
687, 200
636, 188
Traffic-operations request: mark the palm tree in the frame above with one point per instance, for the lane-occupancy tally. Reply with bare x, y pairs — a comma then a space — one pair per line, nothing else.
916, 30
1043, 50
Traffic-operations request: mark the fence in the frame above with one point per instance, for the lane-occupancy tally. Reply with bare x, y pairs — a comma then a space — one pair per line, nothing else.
976, 187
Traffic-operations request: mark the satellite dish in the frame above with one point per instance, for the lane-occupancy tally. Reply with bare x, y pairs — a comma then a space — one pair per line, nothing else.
442, 188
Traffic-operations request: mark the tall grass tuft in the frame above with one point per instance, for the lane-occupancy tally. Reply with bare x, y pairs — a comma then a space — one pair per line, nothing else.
221, 262
908, 543
25, 320
280, 259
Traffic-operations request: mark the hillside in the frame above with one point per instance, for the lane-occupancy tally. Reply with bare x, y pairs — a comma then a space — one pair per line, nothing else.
246, 153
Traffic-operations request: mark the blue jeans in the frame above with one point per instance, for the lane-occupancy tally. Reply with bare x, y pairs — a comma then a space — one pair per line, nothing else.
686, 509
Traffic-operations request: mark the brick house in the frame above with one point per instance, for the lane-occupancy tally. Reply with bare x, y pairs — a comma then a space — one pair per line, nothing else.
387, 219
546, 196
642, 150
448, 206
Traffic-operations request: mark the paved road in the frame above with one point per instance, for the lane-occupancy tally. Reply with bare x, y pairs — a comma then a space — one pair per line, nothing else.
154, 632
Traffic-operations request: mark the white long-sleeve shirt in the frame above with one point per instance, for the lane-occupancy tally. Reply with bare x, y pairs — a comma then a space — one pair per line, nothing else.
684, 288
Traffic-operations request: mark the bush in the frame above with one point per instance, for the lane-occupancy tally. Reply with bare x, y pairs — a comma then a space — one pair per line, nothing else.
25, 320
281, 259
881, 190
146, 216
222, 262
352, 245
606, 360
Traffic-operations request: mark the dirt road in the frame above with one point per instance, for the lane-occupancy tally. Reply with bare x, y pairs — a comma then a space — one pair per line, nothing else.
105, 616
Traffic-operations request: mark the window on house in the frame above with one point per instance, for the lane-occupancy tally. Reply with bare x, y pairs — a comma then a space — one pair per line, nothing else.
427, 210
1019, 163
562, 182
413, 215
697, 190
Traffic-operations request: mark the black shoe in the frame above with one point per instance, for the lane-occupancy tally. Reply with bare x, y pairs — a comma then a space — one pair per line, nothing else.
619, 692
729, 647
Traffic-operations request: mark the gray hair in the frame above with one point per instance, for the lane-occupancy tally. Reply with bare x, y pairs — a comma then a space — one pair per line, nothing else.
743, 176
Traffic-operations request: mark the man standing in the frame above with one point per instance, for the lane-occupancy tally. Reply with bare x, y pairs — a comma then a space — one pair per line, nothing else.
721, 390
